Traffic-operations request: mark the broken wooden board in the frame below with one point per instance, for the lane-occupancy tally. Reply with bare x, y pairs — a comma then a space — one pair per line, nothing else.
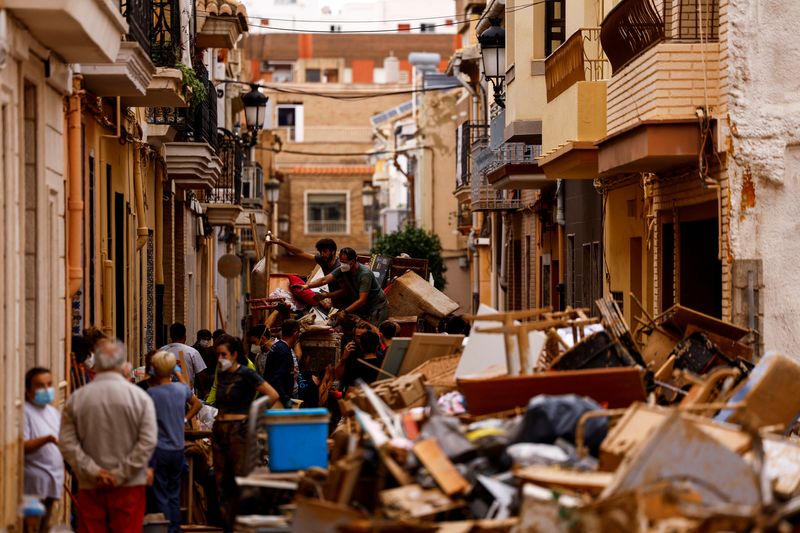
610, 387
412, 501
437, 464
677, 450
426, 346
411, 295
321, 516
553, 476
768, 394
679, 318
641, 420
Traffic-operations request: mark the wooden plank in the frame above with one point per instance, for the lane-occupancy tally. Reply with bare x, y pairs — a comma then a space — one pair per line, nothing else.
559, 477
610, 387
430, 454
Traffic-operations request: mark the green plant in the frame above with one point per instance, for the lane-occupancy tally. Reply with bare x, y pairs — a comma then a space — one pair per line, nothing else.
194, 90
417, 243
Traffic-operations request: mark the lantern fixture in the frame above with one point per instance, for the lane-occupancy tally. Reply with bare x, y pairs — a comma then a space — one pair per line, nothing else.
255, 109
273, 191
493, 55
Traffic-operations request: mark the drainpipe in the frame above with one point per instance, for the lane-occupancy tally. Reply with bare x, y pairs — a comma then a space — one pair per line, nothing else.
472, 244
74, 190
142, 231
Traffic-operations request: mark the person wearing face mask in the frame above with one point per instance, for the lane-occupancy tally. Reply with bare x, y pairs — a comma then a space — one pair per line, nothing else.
237, 387
281, 369
328, 261
258, 338
370, 302
205, 346
194, 361
44, 466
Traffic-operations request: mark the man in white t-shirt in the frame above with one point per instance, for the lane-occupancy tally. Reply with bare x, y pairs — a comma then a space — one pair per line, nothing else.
44, 466
194, 361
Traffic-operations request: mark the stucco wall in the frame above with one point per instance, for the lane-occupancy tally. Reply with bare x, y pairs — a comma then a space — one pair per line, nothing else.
763, 58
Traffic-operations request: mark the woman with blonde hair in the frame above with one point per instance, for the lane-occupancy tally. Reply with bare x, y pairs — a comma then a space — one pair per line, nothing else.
170, 400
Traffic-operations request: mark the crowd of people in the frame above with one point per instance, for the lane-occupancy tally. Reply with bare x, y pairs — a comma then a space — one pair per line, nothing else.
124, 444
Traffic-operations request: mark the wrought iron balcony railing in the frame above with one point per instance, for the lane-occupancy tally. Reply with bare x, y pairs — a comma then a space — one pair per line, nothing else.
138, 14
633, 26
165, 33
199, 123
580, 58
228, 189
484, 196
467, 134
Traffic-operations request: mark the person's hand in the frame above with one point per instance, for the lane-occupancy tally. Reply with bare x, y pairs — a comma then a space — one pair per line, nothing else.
349, 349
150, 477
105, 480
52, 439
321, 295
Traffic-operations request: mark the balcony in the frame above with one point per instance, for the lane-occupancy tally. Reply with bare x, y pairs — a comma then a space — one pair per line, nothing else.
665, 66
514, 166
485, 197
467, 134
79, 31
575, 114
220, 23
132, 72
165, 50
223, 202
326, 227
192, 160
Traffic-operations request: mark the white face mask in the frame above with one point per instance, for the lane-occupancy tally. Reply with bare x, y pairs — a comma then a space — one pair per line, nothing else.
205, 344
89, 362
345, 267
255, 349
225, 364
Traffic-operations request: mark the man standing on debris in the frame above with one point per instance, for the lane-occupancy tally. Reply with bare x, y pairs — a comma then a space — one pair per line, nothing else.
281, 369
328, 261
108, 434
370, 301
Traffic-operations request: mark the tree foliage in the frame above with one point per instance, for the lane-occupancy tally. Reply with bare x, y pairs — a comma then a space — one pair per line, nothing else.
417, 243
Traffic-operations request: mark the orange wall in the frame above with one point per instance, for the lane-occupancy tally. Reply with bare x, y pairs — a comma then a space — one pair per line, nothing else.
362, 70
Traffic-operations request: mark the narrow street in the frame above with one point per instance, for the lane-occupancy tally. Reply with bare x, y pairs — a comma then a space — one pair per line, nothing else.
456, 266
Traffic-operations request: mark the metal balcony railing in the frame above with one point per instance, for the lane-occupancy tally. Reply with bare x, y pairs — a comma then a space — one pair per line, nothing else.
326, 226
580, 58
199, 123
467, 134
484, 196
633, 26
165, 33
229, 184
138, 14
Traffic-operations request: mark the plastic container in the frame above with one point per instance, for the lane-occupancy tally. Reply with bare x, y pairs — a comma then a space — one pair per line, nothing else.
298, 438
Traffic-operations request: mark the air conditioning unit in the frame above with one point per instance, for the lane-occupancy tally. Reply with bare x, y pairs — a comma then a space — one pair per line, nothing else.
253, 185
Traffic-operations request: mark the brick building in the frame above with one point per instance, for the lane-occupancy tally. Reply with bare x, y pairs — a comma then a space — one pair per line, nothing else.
323, 90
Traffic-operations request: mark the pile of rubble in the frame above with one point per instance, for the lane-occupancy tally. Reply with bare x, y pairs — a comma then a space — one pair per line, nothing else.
558, 421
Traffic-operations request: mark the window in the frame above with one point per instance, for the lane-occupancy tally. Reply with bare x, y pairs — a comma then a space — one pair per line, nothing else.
331, 75
313, 75
264, 66
326, 213
290, 119
427, 27
555, 26
281, 71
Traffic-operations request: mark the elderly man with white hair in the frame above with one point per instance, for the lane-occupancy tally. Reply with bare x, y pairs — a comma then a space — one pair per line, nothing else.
108, 434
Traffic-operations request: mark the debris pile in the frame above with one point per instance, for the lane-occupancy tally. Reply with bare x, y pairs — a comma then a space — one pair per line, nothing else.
545, 420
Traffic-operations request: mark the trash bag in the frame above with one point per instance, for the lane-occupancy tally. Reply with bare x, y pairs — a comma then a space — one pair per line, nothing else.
549, 418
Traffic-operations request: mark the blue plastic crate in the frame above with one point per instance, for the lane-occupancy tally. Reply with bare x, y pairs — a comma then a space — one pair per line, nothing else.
298, 438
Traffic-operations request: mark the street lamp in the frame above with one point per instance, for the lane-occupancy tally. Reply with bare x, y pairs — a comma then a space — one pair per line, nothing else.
367, 195
493, 54
255, 108
273, 191
283, 226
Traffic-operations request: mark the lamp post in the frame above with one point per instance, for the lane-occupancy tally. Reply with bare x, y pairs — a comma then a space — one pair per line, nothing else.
493, 54
283, 226
255, 111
